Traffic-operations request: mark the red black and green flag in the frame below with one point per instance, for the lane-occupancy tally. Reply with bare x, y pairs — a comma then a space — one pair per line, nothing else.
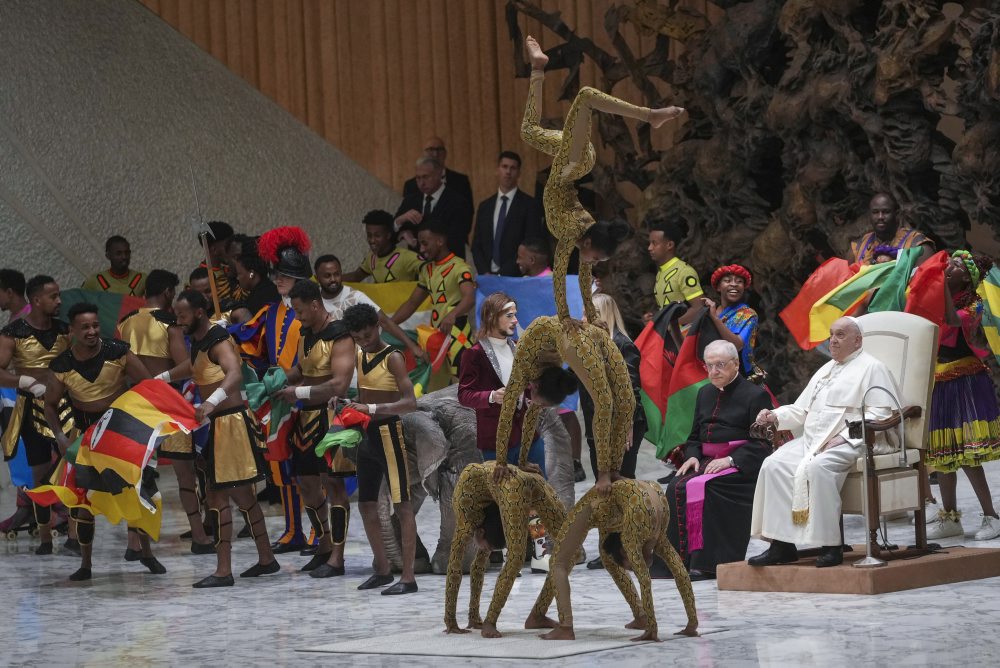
671, 376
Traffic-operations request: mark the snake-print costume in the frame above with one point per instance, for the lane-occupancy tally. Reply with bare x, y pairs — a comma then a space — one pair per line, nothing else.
516, 495
565, 217
598, 364
638, 510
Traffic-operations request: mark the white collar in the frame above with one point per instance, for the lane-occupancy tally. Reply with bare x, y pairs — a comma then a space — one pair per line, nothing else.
509, 195
850, 358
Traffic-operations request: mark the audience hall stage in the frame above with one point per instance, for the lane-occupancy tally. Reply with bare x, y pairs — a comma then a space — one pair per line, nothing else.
124, 616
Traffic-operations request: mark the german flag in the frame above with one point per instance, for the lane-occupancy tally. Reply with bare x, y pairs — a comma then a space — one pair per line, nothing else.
115, 461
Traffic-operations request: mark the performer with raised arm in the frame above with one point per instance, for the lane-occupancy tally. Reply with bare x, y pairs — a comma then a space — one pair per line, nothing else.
495, 515
92, 372
597, 362
573, 158
234, 451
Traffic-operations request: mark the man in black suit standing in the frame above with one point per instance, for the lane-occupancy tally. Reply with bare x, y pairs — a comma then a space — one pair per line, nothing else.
503, 221
438, 203
458, 182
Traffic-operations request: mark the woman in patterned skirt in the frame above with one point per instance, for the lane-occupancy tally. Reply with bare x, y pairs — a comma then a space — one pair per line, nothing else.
964, 416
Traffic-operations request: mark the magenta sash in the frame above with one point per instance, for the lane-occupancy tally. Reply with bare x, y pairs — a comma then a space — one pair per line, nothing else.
695, 489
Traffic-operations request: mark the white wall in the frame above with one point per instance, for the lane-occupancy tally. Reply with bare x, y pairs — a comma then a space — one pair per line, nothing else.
103, 110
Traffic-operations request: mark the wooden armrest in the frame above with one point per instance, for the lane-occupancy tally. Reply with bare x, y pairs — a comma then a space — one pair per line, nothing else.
886, 424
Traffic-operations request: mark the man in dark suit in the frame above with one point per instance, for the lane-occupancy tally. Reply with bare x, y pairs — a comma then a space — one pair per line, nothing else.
458, 182
437, 203
503, 221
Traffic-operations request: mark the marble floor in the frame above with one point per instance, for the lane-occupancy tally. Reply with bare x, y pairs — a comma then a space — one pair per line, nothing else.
124, 616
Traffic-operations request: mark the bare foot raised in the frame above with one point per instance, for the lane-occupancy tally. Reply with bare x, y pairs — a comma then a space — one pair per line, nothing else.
559, 633
638, 623
689, 630
658, 117
475, 624
455, 628
536, 621
535, 54
490, 630
648, 635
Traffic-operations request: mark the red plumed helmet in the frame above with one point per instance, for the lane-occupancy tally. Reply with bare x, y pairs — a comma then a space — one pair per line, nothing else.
272, 241
287, 250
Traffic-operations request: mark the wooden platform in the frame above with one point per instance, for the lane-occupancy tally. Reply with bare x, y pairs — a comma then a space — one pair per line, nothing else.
953, 564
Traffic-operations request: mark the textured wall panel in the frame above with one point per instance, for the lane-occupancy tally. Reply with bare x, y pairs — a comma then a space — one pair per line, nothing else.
104, 109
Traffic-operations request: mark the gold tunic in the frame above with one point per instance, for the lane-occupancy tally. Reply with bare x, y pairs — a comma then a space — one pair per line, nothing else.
515, 496
96, 378
315, 349
374, 372
36, 348
203, 370
146, 332
33, 349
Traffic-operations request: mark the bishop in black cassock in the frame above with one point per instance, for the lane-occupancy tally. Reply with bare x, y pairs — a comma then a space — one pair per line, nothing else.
711, 497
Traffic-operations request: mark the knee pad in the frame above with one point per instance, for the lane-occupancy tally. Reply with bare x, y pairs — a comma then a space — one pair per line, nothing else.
339, 519
84, 531
43, 514
319, 522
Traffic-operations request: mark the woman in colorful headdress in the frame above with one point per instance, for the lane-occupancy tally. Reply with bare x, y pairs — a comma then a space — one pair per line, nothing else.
735, 321
964, 415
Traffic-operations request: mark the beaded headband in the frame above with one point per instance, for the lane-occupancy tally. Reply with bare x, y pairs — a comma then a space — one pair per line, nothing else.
970, 265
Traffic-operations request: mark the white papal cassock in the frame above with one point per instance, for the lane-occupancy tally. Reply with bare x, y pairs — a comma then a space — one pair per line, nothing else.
798, 491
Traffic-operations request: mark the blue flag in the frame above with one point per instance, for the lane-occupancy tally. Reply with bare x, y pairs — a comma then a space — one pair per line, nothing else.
534, 297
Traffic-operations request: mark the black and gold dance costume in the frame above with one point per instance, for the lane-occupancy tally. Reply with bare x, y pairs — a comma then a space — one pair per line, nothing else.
382, 452
234, 452
314, 421
98, 378
573, 158
516, 496
94, 378
34, 349
146, 331
638, 510
599, 365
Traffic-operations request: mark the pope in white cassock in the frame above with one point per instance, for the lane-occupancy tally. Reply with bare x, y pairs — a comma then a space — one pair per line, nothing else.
797, 500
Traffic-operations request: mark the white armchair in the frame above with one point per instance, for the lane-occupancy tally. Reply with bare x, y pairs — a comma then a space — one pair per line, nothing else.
907, 344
